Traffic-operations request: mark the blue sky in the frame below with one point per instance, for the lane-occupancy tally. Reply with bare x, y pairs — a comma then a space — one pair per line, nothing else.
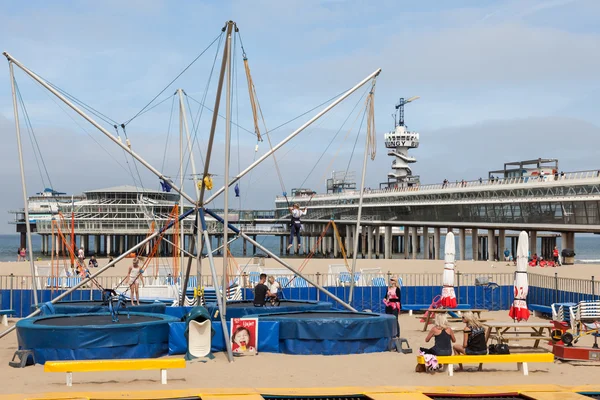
498, 80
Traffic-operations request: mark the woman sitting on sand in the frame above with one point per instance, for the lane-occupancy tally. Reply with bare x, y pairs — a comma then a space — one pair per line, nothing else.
473, 339
444, 337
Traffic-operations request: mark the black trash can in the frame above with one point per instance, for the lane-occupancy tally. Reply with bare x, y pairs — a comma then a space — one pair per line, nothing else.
568, 256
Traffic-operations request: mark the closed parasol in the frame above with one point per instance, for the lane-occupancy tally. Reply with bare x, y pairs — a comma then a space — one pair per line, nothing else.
448, 296
518, 310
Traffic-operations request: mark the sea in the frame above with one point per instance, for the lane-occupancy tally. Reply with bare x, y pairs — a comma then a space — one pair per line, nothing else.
587, 247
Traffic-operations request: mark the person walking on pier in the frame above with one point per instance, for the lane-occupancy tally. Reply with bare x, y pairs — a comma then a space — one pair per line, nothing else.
296, 224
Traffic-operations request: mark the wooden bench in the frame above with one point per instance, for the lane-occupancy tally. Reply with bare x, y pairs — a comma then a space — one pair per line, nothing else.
520, 358
5, 314
115, 365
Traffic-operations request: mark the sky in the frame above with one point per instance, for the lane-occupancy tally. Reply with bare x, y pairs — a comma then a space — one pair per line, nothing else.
498, 81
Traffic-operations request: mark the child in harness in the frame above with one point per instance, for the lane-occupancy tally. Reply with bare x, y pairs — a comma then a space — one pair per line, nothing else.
296, 224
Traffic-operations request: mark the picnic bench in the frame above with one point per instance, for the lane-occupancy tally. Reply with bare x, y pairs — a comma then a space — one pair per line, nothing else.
5, 314
115, 365
520, 358
510, 331
429, 316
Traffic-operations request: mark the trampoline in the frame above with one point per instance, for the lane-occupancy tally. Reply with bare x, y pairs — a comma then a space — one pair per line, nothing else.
100, 306
246, 308
333, 332
95, 336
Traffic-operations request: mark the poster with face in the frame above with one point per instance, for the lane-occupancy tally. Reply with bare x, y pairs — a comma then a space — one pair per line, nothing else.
244, 336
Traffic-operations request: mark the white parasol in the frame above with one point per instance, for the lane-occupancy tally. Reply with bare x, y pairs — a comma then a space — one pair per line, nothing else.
448, 296
518, 310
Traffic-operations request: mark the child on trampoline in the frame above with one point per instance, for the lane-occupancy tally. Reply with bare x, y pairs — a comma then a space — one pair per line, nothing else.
296, 224
133, 276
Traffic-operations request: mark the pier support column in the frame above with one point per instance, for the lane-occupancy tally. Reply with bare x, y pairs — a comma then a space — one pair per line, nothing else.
436, 243
533, 242
363, 239
121, 244
107, 244
462, 244
387, 243
245, 246
501, 243
405, 239
426, 252
347, 240
369, 241
491, 245
97, 244
414, 244
377, 241
475, 243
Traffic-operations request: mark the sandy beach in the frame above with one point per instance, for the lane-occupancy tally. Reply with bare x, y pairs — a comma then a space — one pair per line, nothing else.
321, 265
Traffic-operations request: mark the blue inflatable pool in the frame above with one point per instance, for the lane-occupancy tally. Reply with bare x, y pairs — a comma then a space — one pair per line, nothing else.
95, 336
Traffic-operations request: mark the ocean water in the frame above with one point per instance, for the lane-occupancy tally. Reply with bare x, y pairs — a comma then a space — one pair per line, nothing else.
587, 247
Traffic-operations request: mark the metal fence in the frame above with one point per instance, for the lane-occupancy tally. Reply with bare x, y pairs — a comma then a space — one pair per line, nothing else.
480, 290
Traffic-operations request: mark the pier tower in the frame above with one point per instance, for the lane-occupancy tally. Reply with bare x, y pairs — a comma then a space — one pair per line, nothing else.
398, 142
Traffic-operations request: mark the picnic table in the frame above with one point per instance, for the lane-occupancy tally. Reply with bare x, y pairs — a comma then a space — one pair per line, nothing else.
430, 314
515, 331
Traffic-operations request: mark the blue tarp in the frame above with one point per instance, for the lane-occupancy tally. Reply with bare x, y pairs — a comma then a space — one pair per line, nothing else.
268, 337
113, 341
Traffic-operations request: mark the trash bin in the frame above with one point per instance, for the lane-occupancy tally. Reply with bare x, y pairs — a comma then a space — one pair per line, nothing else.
568, 257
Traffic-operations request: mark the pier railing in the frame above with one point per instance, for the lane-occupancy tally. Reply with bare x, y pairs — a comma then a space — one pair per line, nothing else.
567, 176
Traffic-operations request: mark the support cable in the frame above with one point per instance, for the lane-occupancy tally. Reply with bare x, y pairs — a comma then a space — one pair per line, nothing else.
172, 81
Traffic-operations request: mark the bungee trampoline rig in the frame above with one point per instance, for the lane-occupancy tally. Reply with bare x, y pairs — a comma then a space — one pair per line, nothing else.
120, 316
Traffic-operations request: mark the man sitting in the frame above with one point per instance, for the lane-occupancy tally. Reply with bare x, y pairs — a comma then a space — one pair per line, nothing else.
261, 292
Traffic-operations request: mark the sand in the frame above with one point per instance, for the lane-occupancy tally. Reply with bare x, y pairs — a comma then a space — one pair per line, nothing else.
277, 370
320, 265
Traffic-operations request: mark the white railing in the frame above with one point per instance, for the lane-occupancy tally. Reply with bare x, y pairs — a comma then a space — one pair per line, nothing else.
528, 180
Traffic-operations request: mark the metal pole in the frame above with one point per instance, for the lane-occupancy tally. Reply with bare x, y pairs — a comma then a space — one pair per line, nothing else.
100, 128
181, 225
213, 126
293, 134
195, 236
213, 272
280, 261
358, 217
23, 185
226, 177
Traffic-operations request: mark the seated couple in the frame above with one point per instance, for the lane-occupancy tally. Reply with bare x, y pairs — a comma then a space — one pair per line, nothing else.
264, 293
474, 342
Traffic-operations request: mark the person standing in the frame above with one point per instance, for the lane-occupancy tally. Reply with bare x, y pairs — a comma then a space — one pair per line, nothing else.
134, 275
556, 256
392, 299
261, 292
296, 224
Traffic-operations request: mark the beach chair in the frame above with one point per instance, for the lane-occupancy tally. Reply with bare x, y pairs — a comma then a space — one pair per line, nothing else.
283, 281
253, 278
344, 278
378, 281
192, 282
54, 283
72, 281
300, 282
